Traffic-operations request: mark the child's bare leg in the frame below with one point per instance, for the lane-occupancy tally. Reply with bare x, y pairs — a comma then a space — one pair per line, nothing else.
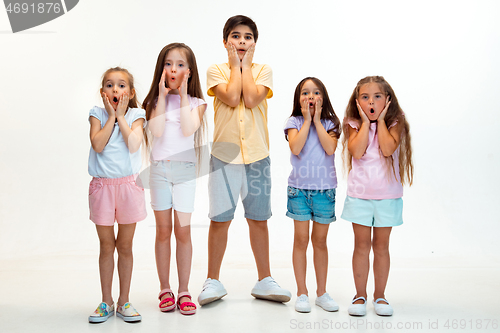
184, 252
125, 259
381, 260
217, 242
106, 260
299, 257
162, 249
361, 258
259, 240
318, 240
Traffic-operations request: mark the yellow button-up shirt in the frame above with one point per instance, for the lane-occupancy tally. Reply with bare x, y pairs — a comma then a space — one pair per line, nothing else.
240, 133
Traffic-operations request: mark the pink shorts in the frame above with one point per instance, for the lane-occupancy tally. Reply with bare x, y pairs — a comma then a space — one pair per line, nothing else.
117, 199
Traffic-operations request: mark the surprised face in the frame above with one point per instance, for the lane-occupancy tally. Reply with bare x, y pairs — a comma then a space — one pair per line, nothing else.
177, 68
372, 100
116, 84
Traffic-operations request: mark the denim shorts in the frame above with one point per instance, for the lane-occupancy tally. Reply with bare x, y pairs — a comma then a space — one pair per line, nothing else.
373, 213
173, 185
316, 205
226, 182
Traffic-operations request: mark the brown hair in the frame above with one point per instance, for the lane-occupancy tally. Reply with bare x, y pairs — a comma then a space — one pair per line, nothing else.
237, 20
394, 114
327, 111
194, 89
132, 102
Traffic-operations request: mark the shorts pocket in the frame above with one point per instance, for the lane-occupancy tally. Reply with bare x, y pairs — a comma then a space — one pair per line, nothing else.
292, 192
94, 187
330, 194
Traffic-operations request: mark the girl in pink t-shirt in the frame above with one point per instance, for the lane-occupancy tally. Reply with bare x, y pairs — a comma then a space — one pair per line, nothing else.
176, 112
378, 153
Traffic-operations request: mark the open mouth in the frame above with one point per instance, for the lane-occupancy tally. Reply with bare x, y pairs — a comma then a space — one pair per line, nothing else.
115, 99
372, 111
311, 104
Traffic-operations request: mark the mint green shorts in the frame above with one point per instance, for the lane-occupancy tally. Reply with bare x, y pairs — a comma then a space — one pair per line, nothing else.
373, 213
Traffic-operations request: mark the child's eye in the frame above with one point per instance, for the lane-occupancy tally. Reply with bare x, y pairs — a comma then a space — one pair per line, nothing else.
378, 96
108, 85
236, 36
167, 64
248, 37
304, 93
181, 65
317, 93
122, 86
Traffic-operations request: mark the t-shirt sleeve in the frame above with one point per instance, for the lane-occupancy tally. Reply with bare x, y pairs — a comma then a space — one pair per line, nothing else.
138, 114
97, 113
352, 123
265, 78
195, 102
291, 123
215, 76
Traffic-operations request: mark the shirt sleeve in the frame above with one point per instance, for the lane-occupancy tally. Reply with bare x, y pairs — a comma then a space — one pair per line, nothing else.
291, 123
265, 78
215, 76
138, 114
97, 113
352, 122
195, 102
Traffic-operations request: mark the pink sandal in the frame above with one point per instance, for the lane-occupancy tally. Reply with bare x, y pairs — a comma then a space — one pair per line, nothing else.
166, 300
184, 304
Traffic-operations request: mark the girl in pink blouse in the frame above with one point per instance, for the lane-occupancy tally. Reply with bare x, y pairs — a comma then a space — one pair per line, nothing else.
378, 154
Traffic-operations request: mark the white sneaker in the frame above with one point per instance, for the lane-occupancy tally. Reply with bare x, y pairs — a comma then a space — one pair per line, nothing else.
268, 289
327, 303
382, 309
357, 309
212, 291
302, 304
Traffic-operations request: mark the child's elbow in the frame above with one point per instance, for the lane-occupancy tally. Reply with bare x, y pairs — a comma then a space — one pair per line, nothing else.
97, 148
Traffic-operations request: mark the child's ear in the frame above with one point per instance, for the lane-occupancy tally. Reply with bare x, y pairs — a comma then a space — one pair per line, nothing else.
132, 93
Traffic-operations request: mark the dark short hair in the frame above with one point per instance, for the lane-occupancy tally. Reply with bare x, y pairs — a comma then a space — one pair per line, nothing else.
237, 20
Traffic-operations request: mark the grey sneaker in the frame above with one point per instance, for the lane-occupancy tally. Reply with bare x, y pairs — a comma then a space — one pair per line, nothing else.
268, 289
212, 291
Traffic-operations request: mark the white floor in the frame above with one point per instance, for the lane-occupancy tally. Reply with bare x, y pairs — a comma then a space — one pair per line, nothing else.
57, 293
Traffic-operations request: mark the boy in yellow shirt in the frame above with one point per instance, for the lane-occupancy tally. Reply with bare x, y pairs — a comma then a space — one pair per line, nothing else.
240, 163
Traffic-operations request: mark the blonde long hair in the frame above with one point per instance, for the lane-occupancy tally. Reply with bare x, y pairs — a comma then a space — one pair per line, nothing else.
394, 114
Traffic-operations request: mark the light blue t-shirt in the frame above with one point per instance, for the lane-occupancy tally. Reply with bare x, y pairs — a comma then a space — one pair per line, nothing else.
115, 160
313, 168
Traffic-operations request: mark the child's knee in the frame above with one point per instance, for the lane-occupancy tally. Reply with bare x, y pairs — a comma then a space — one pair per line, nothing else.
301, 242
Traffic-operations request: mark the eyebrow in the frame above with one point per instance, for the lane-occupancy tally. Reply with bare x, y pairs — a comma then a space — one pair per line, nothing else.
239, 33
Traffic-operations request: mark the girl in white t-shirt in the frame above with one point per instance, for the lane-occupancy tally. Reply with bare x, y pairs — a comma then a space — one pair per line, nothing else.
116, 134
378, 150
175, 111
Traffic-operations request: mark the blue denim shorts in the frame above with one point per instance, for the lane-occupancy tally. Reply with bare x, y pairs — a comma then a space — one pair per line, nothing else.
251, 182
316, 205
373, 213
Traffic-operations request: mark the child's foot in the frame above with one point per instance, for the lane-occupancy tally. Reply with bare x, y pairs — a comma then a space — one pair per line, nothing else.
212, 291
327, 303
357, 307
186, 307
382, 307
128, 313
167, 300
102, 313
302, 304
269, 289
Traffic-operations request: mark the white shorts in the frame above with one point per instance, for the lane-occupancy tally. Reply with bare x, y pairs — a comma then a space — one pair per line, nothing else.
173, 185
